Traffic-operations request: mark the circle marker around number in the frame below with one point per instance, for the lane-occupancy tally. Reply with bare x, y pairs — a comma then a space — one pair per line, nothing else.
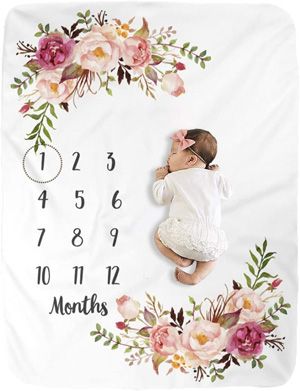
48, 180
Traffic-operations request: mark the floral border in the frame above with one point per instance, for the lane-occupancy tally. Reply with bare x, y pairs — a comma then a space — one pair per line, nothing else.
206, 339
91, 55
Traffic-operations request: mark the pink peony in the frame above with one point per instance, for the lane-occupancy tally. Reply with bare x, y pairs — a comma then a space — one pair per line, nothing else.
128, 307
250, 302
99, 50
54, 51
136, 52
164, 339
173, 84
202, 341
50, 88
246, 340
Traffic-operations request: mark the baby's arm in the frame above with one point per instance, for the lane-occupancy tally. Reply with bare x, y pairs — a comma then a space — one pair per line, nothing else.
224, 187
162, 190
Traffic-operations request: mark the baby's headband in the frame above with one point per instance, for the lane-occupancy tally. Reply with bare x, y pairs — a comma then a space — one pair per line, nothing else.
185, 143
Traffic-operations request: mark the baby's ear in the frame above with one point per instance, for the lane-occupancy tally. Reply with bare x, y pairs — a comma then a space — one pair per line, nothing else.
192, 159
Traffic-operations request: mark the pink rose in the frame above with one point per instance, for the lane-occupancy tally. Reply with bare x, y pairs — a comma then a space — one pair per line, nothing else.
99, 50
202, 341
246, 340
250, 302
164, 339
173, 84
136, 52
128, 307
50, 88
54, 51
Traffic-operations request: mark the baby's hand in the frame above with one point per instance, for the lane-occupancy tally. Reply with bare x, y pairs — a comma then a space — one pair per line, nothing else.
161, 172
214, 167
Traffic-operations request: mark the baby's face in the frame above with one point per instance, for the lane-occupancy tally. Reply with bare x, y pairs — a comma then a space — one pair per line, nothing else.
177, 160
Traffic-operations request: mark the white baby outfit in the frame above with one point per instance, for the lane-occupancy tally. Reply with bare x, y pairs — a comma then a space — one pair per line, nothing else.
193, 227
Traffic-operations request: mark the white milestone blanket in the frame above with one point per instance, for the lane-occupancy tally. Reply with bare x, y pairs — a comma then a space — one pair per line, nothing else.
91, 94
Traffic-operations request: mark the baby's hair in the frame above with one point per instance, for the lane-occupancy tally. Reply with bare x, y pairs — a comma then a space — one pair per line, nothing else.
205, 144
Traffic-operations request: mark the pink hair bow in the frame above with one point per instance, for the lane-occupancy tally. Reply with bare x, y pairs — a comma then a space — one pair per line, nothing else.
183, 142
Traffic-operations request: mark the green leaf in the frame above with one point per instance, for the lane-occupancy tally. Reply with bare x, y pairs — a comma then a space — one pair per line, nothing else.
281, 300
115, 346
275, 317
42, 107
253, 363
40, 27
202, 64
88, 13
265, 243
109, 91
193, 48
251, 269
80, 14
182, 52
98, 338
283, 310
192, 300
255, 260
93, 333
267, 275
208, 58
186, 44
34, 116
213, 378
190, 56
52, 111
107, 343
38, 34
49, 122
259, 284
248, 280
17, 80
263, 357
47, 28
19, 91
202, 54
128, 350
260, 364
13, 86
47, 133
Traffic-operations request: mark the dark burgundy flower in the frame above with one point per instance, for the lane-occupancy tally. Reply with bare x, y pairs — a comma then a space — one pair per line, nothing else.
246, 340
54, 51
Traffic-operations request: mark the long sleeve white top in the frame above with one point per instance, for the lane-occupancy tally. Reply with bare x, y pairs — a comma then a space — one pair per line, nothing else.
194, 193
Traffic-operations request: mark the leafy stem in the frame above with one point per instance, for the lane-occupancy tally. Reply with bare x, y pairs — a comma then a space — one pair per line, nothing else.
257, 266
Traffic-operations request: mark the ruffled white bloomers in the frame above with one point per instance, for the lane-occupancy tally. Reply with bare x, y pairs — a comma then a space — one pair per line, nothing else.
194, 239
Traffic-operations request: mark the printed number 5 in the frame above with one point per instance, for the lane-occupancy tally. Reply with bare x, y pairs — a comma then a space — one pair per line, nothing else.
80, 197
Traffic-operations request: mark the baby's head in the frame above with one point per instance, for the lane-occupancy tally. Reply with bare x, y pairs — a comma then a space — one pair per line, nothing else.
192, 148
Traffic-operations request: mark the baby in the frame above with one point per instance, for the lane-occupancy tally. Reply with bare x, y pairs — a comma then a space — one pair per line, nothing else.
194, 188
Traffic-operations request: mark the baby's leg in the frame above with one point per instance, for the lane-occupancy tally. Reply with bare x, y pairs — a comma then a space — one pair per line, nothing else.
201, 271
167, 252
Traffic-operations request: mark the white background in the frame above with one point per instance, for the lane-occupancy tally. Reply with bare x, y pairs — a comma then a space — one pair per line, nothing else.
7, 379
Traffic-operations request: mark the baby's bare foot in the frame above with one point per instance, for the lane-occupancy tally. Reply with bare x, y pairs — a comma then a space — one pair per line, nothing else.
187, 278
185, 262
